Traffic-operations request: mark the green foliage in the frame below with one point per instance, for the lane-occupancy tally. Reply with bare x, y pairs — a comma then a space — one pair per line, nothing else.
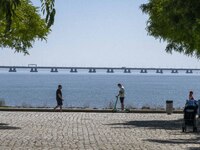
177, 22
48, 8
7, 8
2, 102
21, 24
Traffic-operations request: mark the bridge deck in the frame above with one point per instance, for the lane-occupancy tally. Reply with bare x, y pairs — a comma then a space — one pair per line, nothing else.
93, 69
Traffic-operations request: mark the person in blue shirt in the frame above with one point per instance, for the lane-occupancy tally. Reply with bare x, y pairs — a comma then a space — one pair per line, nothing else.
191, 101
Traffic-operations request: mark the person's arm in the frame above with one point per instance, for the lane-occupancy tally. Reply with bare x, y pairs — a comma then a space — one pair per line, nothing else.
59, 95
118, 94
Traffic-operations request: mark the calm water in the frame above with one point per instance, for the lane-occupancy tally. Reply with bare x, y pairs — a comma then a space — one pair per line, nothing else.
96, 90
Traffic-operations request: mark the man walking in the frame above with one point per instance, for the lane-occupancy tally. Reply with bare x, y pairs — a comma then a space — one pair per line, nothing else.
59, 98
121, 95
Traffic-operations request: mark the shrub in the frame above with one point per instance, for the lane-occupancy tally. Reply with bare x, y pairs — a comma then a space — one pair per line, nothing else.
2, 102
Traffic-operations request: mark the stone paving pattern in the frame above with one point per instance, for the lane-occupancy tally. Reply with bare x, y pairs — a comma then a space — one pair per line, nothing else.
94, 131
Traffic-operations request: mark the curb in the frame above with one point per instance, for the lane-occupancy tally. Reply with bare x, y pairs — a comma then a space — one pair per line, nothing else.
87, 110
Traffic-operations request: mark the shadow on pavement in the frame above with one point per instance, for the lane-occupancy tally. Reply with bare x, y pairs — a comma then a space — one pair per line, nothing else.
165, 125
151, 124
4, 126
194, 148
176, 141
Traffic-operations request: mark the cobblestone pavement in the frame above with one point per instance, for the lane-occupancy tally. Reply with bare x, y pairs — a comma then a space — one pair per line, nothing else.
94, 131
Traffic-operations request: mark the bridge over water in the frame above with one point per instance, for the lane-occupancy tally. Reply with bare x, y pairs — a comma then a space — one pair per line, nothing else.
35, 68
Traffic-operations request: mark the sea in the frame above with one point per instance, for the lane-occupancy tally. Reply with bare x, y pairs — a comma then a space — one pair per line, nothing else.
97, 90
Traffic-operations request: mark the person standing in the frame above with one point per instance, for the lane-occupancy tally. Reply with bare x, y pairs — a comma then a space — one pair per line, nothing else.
59, 98
190, 97
191, 101
121, 95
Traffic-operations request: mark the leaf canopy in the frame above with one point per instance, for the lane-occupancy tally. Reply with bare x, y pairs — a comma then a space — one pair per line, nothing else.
176, 22
21, 24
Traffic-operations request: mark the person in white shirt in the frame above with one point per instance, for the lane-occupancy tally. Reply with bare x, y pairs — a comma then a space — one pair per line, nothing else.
121, 95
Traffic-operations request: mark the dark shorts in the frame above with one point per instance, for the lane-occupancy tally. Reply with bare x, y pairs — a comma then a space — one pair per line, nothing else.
122, 100
59, 102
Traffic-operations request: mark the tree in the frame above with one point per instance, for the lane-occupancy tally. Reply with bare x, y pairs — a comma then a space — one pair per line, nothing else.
176, 22
21, 23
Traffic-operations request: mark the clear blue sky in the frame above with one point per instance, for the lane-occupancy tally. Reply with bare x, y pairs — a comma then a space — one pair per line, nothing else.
99, 33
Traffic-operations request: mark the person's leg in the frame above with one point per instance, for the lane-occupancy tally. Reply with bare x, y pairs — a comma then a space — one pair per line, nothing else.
55, 108
122, 106
122, 103
60, 108
60, 104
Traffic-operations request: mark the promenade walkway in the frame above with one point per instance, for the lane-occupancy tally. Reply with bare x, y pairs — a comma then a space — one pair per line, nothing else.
94, 131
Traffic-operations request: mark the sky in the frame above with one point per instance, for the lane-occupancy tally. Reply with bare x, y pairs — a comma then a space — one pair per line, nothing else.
99, 33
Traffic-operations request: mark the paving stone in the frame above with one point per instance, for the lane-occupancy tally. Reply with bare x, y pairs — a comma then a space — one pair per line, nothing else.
94, 131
